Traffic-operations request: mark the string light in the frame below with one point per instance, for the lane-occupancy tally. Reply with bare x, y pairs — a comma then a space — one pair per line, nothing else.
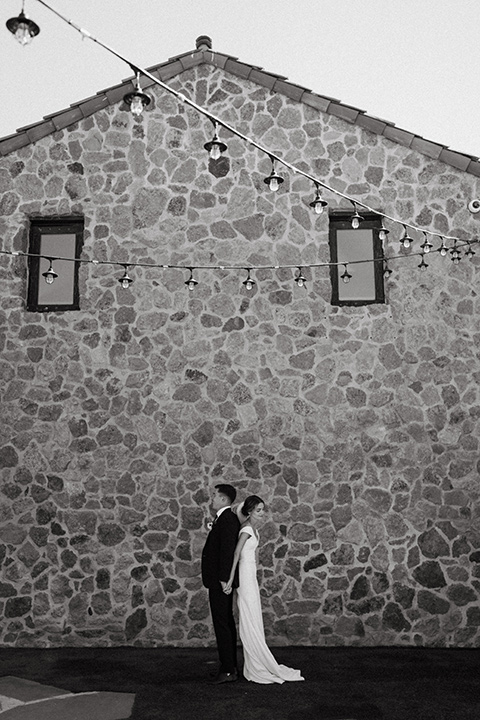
273, 180
469, 252
386, 269
426, 245
215, 147
406, 240
423, 265
443, 249
22, 28
383, 232
50, 275
248, 282
346, 277
455, 253
125, 281
191, 282
318, 203
300, 279
356, 218
137, 100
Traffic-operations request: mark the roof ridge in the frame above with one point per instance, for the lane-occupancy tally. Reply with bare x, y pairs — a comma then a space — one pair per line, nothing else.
273, 81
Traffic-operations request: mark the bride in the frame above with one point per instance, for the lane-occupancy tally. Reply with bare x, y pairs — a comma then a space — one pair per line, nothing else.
259, 664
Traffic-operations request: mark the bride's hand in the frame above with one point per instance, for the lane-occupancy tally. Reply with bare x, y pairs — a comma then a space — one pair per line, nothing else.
227, 588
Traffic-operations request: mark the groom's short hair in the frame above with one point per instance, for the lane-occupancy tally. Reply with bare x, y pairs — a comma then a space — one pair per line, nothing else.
227, 490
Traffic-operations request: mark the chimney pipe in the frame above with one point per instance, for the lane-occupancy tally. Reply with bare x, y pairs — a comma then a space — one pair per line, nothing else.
204, 42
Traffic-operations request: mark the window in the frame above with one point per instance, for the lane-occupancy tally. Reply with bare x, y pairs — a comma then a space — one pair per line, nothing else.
365, 286
54, 237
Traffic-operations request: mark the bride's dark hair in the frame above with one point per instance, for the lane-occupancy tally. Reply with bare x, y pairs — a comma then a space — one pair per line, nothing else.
250, 504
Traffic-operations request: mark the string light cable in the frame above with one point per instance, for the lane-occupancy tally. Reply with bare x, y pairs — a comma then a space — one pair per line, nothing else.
125, 281
216, 147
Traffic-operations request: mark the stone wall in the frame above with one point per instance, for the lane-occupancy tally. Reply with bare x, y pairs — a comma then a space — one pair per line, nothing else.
358, 425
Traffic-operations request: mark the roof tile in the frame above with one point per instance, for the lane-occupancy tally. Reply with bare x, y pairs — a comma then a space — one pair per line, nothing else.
116, 94
66, 118
263, 78
14, 142
343, 111
367, 122
238, 68
88, 107
190, 60
292, 91
277, 83
453, 158
426, 147
474, 168
40, 130
316, 101
402, 137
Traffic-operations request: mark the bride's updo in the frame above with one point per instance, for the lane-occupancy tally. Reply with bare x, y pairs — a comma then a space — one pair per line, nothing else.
250, 504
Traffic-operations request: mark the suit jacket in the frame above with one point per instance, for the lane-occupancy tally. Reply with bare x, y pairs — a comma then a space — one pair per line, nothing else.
217, 555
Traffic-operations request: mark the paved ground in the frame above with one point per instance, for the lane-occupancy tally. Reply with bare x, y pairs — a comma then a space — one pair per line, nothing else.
340, 683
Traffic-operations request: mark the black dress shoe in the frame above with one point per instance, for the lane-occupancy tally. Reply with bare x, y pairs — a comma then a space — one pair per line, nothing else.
224, 678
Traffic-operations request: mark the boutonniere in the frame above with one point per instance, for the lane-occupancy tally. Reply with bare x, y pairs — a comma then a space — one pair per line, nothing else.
209, 525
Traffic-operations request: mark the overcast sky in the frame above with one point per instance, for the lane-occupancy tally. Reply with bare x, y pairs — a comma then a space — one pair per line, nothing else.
413, 62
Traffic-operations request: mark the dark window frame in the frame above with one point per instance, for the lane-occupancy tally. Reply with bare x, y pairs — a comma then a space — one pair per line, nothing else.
68, 225
341, 220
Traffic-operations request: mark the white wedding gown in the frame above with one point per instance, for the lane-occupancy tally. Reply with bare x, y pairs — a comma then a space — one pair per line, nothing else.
259, 664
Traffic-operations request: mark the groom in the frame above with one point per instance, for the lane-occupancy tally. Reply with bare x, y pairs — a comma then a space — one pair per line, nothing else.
217, 559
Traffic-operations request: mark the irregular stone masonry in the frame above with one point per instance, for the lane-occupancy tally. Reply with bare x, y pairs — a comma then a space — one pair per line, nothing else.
358, 425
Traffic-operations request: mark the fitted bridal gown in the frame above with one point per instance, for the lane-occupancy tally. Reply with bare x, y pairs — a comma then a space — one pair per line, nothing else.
259, 664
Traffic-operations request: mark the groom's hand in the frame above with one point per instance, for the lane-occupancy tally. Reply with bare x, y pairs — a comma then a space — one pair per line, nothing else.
225, 587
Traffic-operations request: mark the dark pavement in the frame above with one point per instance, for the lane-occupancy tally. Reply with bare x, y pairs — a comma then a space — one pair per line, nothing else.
341, 683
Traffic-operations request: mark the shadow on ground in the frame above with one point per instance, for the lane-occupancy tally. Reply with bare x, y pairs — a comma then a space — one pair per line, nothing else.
340, 683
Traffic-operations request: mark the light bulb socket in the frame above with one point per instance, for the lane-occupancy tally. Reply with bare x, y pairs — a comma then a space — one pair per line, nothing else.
191, 282
22, 28
215, 147
300, 279
248, 282
125, 281
50, 275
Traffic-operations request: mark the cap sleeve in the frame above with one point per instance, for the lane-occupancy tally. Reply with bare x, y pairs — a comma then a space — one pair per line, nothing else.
248, 530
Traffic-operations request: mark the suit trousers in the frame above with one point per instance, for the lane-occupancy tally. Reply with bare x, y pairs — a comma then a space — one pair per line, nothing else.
221, 607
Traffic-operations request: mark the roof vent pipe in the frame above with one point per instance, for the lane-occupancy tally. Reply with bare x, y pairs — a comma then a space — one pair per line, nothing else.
204, 42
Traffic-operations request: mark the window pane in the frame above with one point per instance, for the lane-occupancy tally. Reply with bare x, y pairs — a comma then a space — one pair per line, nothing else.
356, 245
60, 292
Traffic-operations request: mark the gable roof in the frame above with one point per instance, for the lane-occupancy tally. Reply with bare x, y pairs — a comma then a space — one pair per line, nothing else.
276, 83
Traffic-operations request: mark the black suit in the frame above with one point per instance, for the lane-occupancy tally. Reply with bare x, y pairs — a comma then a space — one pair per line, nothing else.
217, 559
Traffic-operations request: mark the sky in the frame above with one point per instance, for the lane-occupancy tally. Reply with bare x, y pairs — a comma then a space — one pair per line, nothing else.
415, 63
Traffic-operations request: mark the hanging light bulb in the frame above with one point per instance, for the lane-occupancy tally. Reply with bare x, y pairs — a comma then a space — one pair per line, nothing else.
23, 29
191, 282
273, 180
346, 277
215, 147
300, 279
469, 252
125, 281
356, 219
426, 245
455, 253
443, 248
248, 282
383, 232
423, 265
137, 100
406, 240
386, 270
318, 203
50, 275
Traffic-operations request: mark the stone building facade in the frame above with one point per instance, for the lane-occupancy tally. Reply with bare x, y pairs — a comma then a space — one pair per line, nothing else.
359, 426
